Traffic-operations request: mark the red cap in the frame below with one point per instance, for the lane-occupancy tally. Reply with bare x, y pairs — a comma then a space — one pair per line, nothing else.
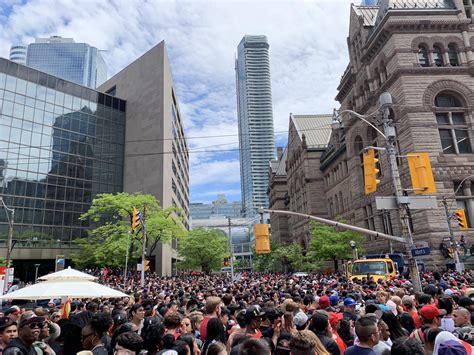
324, 302
429, 311
335, 317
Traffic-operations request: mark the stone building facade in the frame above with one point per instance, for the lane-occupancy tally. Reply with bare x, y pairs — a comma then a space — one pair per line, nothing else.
297, 186
278, 197
421, 53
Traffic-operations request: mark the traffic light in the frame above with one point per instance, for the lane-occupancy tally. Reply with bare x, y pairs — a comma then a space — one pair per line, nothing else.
226, 261
421, 174
136, 219
147, 265
461, 217
370, 171
262, 238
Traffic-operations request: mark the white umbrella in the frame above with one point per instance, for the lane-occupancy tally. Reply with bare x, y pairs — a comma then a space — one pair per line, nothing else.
68, 274
64, 288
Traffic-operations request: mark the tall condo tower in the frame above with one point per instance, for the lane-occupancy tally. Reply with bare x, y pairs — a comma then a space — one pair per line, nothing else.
254, 105
77, 62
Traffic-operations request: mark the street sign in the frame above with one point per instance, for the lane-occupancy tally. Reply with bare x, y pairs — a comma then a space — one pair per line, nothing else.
415, 252
60, 262
414, 202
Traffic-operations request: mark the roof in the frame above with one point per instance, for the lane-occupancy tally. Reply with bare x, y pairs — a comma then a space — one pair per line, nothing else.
316, 129
278, 167
368, 13
385, 5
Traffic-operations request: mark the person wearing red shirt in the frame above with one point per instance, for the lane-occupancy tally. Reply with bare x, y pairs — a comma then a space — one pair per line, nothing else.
213, 310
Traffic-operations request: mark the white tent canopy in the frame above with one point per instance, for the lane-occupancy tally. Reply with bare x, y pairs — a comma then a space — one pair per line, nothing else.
68, 274
64, 288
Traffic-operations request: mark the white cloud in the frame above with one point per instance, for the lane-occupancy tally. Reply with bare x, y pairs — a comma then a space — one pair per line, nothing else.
307, 56
215, 172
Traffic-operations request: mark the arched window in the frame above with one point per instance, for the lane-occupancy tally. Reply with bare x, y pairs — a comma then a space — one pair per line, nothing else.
423, 56
438, 56
453, 55
450, 113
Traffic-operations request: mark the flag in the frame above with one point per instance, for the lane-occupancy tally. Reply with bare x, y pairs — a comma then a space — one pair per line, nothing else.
65, 308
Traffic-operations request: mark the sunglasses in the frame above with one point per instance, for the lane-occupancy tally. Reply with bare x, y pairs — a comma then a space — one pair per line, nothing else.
36, 325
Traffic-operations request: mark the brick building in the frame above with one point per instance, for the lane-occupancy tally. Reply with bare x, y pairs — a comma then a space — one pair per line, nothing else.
421, 52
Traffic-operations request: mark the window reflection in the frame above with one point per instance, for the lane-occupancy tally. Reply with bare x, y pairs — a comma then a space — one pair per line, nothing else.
56, 152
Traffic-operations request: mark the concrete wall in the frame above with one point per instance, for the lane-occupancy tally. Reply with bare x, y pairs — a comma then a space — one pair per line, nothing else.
147, 86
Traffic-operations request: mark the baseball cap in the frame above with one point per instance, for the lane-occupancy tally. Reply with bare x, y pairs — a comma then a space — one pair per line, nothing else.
407, 300
335, 317
5, 322
300, 319
451, 347
430, 311
29, 318
349, 301
334, 299
324, 302
13, 309
253, 312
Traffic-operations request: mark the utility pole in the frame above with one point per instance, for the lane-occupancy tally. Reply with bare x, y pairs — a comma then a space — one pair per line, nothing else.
459, 265
402, 201
126, 259
11, 221
142, 275
231, 250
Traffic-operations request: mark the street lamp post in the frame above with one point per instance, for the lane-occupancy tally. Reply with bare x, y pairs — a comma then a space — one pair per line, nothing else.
389, 134
231, 250
36, 271
9, 242
354, 250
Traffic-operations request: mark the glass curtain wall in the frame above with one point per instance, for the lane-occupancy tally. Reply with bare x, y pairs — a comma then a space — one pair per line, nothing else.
60, 145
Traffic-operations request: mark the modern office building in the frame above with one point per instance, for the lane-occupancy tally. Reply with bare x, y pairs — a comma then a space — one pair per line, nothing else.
255, 114
18, 54
156, 152
62, 57
60, 145
219, 207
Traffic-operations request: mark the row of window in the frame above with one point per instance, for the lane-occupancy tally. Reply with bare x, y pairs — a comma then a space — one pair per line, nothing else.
438, 56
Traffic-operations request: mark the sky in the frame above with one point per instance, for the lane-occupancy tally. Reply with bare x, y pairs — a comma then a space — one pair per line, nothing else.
308, 54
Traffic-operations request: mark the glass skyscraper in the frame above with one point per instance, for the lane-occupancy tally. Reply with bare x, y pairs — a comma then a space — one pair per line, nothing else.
256, 136
60, 145
64, 58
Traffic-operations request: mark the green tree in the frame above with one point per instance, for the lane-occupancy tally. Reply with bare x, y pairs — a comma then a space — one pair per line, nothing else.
203, 249
108, 238
329, 243
282, 257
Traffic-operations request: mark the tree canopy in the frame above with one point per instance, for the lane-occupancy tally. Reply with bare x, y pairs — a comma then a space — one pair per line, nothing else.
203, 249
329, 243
109, 236
282, 257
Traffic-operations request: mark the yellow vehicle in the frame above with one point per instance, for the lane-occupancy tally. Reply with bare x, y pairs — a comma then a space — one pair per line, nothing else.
379, 268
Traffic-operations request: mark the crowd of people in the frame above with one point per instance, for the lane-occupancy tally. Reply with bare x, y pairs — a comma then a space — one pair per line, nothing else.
255, 314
